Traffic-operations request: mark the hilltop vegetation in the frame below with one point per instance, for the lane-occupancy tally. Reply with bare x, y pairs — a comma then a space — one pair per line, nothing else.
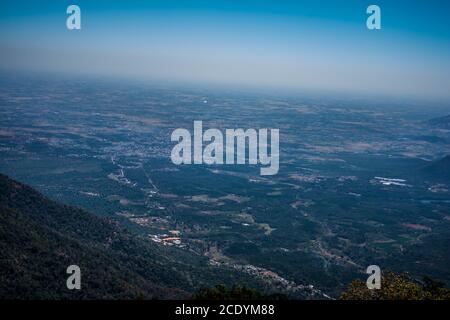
394, 286
397, 287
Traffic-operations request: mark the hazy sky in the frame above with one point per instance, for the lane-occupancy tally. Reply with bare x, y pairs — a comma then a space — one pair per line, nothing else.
280, 44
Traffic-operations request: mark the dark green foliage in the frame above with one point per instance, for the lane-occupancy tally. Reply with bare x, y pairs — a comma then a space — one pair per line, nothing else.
397, 287
39, 239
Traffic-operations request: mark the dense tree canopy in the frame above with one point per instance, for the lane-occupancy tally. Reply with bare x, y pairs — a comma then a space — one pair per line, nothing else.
397, 287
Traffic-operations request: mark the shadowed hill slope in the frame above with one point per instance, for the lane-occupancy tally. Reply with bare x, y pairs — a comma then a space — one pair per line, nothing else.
40, 238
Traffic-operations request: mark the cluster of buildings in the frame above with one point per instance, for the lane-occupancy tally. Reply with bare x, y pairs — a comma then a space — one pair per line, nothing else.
171, 239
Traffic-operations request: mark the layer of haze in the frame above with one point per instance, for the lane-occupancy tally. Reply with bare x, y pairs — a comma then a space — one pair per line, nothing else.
320, 45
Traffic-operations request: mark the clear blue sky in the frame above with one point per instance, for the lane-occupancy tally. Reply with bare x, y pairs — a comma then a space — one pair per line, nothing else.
286, 44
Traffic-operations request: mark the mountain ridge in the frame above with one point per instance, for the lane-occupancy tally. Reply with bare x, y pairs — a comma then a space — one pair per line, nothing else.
439, 168
440, 122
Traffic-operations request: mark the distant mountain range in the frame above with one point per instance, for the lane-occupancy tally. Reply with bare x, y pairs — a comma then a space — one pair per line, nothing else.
440, 122
439, 169
40, 238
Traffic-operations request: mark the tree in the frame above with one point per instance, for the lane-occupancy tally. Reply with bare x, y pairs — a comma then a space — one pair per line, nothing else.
397, 287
